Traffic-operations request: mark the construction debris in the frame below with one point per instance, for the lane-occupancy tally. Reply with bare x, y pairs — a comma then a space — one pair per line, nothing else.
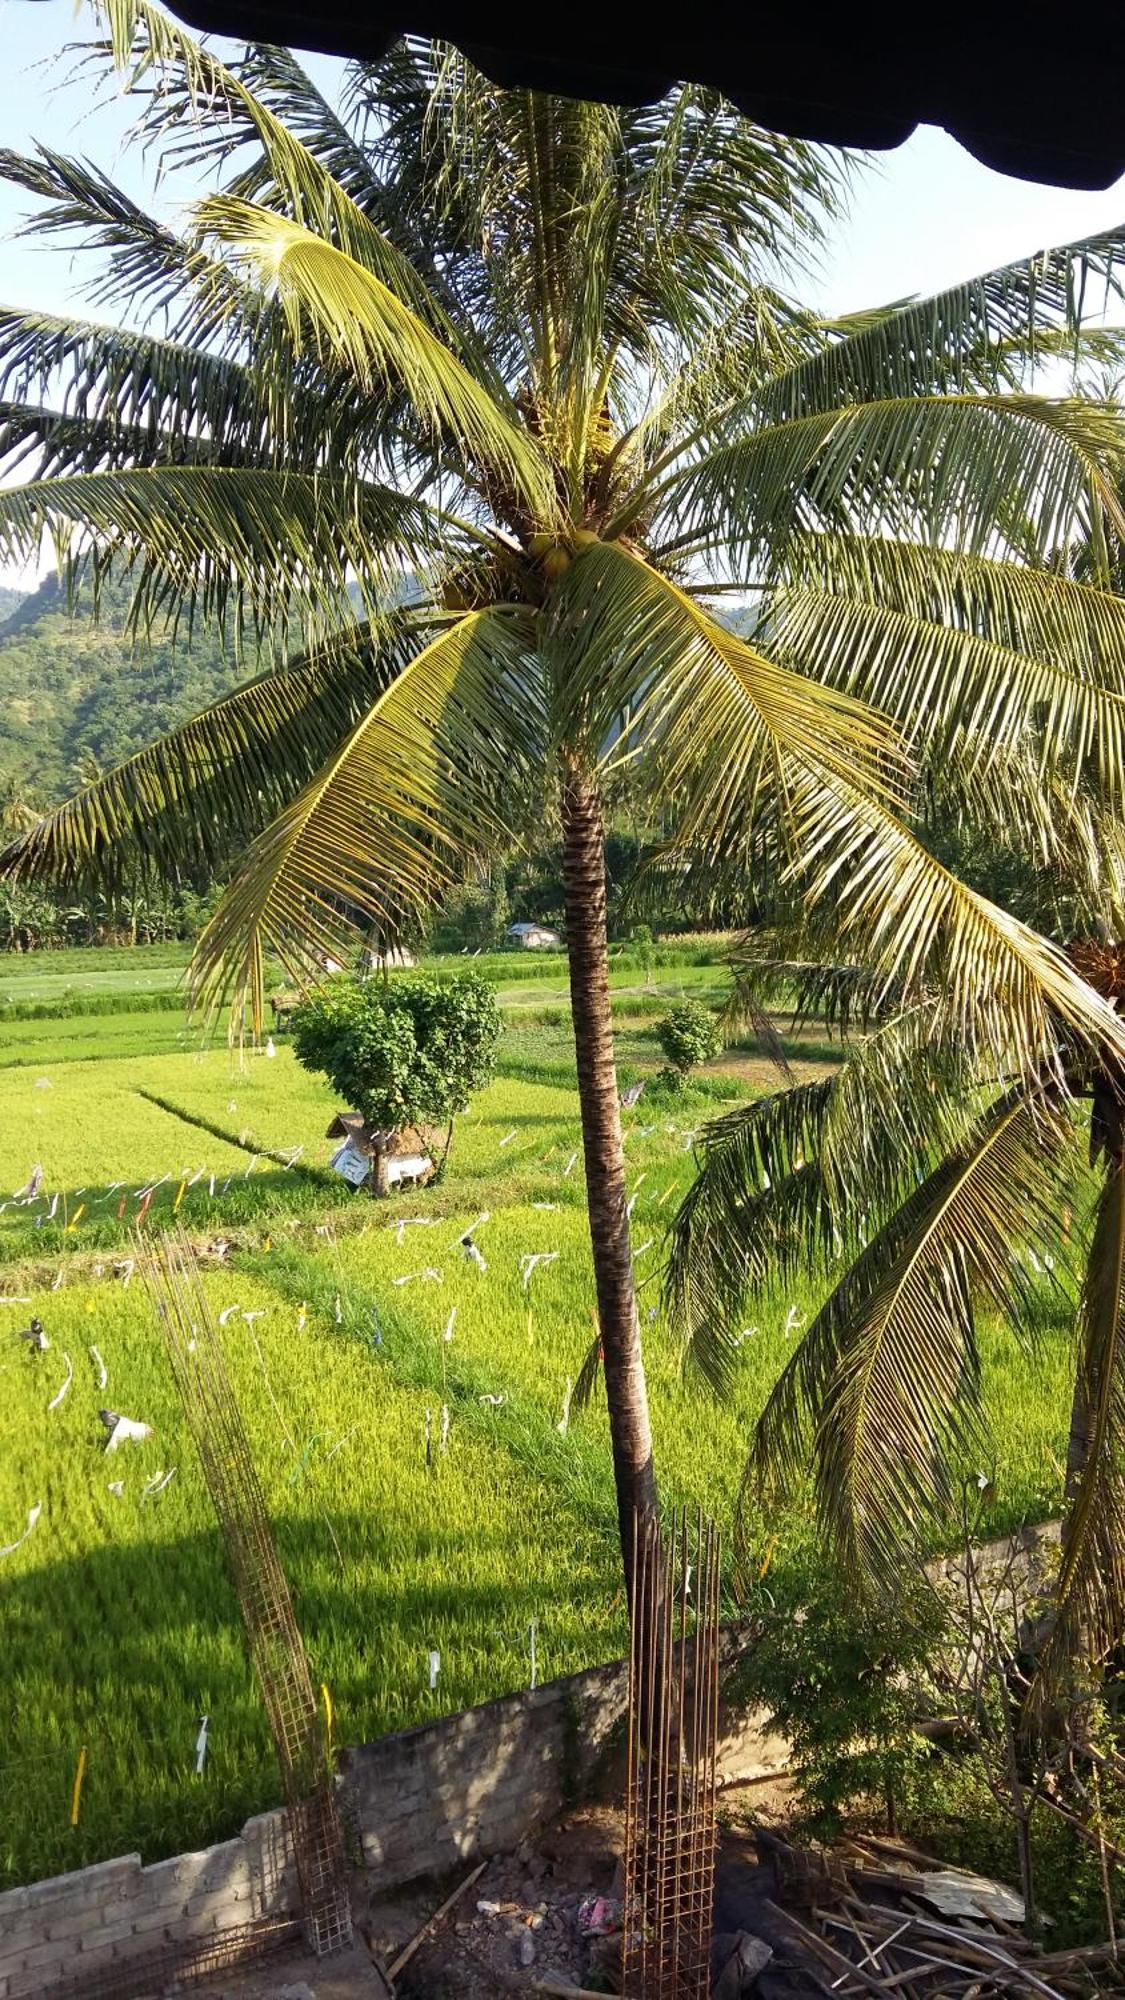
890, 1922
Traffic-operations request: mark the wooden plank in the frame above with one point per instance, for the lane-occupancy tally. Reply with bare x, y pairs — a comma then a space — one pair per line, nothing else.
408, 1950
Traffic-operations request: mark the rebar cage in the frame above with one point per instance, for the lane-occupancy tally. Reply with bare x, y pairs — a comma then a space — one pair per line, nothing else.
276, 1649
673, 1723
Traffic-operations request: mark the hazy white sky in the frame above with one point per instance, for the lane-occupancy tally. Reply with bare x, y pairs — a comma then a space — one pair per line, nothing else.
928, 214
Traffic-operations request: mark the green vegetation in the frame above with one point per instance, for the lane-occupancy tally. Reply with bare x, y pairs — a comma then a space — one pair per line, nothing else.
610, 410
79, 693
408, 1051
116, 1616
610, 413
689, 1035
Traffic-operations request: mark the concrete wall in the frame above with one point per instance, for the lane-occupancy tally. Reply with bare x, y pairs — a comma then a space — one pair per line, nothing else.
81, 1924
431, 1798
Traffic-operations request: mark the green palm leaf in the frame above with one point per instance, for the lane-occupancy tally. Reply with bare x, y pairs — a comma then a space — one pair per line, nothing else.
358, 320
719, 715
790, 1183
889, 1371
394, 816
735, 739
143, 39
965, 337
962, 698
261, 543
150, 269
950, 467
137, 381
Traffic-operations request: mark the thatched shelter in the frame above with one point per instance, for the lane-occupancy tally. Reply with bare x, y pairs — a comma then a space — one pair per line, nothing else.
388, 1159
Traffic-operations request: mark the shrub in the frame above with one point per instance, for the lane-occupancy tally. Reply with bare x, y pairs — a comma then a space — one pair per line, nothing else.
842, 1682
689, 1035
401, 1051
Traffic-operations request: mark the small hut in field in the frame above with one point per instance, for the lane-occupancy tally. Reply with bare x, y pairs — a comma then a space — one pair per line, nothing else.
387, 1159
283, 1005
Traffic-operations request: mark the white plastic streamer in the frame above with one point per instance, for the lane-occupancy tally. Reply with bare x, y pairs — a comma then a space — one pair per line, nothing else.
33, 1514
530, 1261
100, 1364
56, 1399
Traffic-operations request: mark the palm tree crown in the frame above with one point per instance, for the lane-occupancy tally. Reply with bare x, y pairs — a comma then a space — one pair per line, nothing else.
540, 355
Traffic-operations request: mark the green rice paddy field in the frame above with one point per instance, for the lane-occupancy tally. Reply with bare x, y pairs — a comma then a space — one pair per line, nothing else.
348, 1337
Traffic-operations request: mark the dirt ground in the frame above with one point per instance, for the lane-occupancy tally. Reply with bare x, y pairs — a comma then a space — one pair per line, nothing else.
528, 1925
516, 1924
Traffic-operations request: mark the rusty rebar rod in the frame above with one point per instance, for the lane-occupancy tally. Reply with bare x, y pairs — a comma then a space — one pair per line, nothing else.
671, 1769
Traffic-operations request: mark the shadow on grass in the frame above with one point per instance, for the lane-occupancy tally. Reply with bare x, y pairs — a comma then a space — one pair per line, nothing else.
122, 1650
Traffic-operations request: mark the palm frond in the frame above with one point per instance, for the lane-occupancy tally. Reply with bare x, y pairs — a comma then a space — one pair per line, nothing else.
150, 269
1008, 992
957, 694
1089, 1596
258, 545
631, 644
946, 468
178, 400
974, 335
758, 1205
735, 740
195, 91
393, 818
795, 1180
887, 1378
1073, 623
839, 997
137, 381
359, 320
190, 803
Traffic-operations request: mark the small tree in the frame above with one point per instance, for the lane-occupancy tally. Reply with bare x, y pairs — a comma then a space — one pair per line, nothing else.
689, 1035
403, 1052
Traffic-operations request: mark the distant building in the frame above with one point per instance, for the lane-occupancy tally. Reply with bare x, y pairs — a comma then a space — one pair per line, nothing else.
534, 937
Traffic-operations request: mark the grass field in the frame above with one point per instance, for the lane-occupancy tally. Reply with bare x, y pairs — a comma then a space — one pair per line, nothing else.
118, 1626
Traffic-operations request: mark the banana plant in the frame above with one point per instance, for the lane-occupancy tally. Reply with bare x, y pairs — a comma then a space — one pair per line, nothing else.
545, 361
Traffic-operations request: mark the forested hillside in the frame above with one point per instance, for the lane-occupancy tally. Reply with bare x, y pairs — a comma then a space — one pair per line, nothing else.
73, 687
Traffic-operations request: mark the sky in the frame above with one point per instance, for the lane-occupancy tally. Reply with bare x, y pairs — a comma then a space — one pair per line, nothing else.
927, 216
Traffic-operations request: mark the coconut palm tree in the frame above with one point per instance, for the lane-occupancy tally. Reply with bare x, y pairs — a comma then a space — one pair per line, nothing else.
538, 355
941, 1185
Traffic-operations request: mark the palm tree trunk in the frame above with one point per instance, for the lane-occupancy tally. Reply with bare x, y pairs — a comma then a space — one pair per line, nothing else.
585, 900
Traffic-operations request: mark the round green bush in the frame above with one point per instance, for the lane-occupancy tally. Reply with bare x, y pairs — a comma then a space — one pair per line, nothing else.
689, 1035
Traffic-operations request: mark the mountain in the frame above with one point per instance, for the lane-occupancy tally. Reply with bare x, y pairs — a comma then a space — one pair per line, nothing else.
77, 690
75, 687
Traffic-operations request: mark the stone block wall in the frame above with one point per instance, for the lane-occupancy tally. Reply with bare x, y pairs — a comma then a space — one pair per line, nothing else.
82, 1924
418, 1803
448, 1792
